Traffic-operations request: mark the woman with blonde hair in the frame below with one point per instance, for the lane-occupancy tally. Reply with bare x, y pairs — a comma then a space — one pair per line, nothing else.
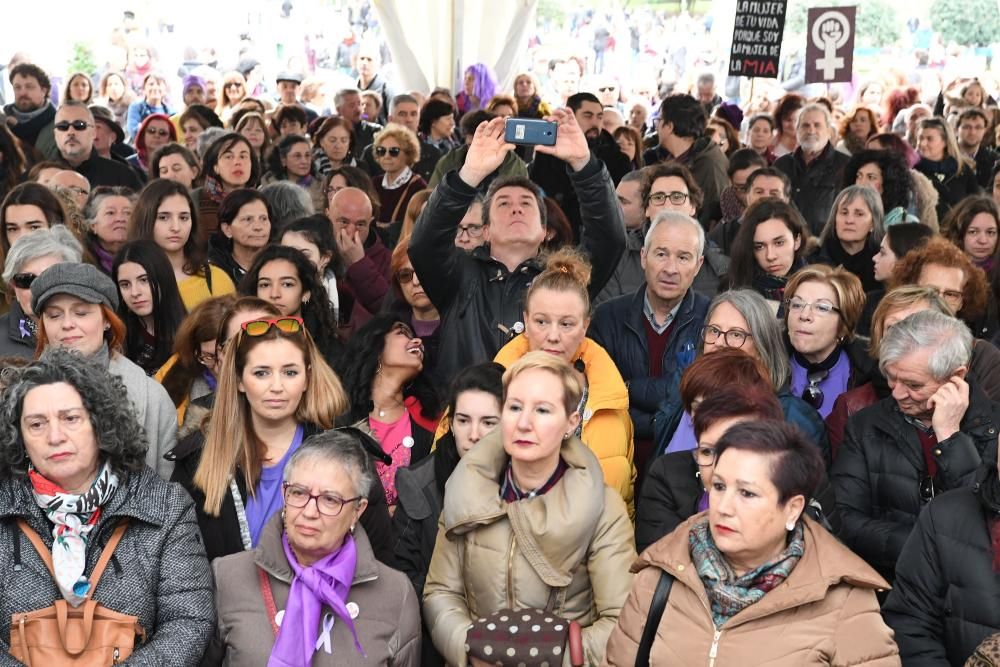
951, 173
396, 150
529, 500
234, 89
556, 317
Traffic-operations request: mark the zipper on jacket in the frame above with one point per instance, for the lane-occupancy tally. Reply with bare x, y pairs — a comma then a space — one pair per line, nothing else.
510, 571
714, 651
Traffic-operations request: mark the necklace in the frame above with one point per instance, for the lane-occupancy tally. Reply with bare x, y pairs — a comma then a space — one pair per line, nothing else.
381, 411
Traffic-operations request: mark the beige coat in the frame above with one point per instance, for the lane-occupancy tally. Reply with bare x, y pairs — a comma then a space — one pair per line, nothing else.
388, 622
825, 613
575, 540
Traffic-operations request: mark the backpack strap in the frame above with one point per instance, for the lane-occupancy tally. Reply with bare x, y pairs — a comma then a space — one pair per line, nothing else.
46, 555
656, 609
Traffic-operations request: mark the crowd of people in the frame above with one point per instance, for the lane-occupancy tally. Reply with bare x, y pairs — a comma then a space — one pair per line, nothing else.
378, 387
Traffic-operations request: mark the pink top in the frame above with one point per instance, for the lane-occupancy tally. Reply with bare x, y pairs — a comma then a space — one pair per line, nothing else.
397, 441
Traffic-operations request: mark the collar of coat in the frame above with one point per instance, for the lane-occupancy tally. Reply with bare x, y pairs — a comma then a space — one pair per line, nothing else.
825, 564
566, 516
606, 389
269, 554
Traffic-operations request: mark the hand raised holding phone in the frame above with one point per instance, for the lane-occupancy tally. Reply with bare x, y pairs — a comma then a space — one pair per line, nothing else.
486, 152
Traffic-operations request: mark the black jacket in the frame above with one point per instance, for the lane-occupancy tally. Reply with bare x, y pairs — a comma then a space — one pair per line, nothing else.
102, 171
880, 468
482, 303
13, 342
670, 494
814, 187
364, 135
944, 601
986, 160
952, 186
618, 326
222, 533
549, 172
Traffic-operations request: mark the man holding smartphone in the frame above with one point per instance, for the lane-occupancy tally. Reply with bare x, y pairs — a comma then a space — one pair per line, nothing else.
480, 294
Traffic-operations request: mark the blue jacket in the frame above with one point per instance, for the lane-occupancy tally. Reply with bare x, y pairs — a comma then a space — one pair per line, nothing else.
618, 326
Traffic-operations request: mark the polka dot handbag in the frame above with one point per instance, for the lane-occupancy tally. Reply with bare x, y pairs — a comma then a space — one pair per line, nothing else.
527, 637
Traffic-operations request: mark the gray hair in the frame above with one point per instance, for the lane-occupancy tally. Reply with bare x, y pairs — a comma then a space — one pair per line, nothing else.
871, 199
101, 193
118, 433
402, 98
57, 241
76, 104
342, 448
764, 327
208, 137
338, 98
675, 218
632, 177
815, 106
948, 337
288, 201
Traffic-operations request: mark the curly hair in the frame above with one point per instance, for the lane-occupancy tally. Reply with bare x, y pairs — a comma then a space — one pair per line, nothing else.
116, 429
362, 360
845, 124
897, 183
405, 137
944, 253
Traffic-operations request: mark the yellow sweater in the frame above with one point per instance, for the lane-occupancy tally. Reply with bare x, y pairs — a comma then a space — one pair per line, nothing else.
194, 289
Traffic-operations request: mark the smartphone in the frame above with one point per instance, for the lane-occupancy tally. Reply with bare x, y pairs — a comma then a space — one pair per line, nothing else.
530, 131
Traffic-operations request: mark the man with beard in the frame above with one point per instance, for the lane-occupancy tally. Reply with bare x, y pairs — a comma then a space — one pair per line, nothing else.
32, 113
815, 168
549, 172
74, 133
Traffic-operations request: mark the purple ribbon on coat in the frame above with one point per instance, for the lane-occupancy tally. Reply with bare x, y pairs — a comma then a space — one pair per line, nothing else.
325, 582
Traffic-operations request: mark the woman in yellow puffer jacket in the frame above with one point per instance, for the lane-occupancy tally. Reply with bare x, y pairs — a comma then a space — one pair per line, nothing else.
557, 314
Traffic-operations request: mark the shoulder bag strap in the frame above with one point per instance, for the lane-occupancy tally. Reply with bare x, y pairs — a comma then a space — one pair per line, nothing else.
656, 609
268, 595
109, 550
36, 541
402, 197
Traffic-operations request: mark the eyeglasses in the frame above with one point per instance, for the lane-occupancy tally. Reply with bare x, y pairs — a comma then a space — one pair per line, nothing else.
819, 308
660, 198
733, 337
405, 276
23, 280
234, 84
284, 324
927, 489
207, 358
474, 231
78, 125
327, 504
704, 454
812, 393
607, 89
382, 150
740, 187
157, 132
951, 296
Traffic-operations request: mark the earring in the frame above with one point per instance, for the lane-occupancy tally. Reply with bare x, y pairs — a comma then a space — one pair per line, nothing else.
567, 436
282, 516
378, 370
790, 526
352, 529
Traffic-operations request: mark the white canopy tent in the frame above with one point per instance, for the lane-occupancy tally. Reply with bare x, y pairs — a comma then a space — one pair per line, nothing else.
433, 41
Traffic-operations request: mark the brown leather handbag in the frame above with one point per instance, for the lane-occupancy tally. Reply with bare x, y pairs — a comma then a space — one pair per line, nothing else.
90, 635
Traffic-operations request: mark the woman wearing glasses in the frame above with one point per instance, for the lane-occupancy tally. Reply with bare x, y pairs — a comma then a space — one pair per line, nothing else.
962, 285
234, 90
396, 150
769, 247
391, 396
822, 307
951, 173
291, 160
852, 234
155, 132
338, 604
413, 304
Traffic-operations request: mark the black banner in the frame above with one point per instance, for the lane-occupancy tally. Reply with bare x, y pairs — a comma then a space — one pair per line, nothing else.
757, 35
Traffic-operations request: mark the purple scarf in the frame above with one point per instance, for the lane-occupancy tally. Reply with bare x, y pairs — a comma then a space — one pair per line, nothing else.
325, 582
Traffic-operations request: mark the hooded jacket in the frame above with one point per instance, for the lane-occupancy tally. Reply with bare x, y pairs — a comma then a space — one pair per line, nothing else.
573, 544
814, 185
825, 613
607, 427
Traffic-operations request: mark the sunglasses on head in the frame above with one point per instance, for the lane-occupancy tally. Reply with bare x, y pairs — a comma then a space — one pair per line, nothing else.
394, 151
23, 280
157, 132
78, 125
289, 325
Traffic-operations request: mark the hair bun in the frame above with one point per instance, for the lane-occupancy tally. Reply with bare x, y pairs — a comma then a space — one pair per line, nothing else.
571, 262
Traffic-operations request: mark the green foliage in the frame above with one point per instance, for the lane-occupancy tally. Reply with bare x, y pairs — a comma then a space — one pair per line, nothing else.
82, 59
878, 24
551, 10
969, 22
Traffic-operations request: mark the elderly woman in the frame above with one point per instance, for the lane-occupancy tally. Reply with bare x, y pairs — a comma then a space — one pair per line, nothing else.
291, 160
107, 213
822, 307
245, 223
736, 320
775, 584
333, 145
396, 150
74, 474
28, 257
852, 234
338, 604
943, 266
556, 315
534, 479
75, 305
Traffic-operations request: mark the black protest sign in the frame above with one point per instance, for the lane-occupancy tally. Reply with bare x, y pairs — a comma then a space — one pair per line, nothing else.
830, 44
757, 35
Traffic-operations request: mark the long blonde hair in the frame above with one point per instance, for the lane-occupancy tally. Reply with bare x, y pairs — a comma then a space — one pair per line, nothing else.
230, 441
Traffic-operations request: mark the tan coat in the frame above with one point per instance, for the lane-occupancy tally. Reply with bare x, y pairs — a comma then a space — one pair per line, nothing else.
825, 613
388, 622
491, 555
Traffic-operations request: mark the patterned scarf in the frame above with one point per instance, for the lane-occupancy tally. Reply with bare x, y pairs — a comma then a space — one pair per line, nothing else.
73, 517
728, 593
